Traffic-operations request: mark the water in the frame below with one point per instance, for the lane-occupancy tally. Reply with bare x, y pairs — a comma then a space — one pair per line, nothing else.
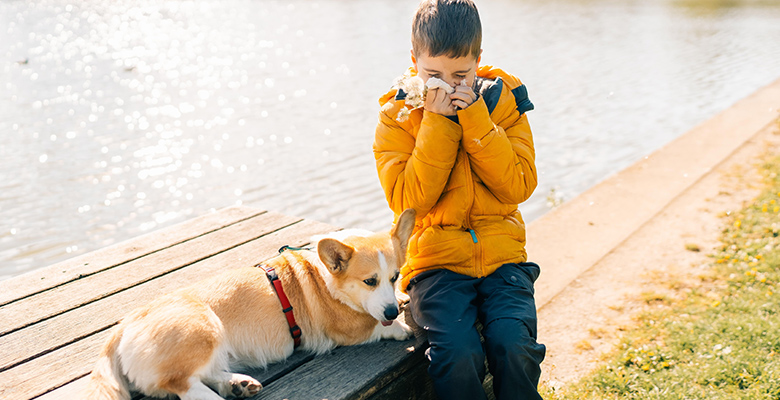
119, 117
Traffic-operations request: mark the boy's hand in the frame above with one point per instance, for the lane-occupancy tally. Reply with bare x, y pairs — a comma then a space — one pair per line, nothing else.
463, 97
439, 102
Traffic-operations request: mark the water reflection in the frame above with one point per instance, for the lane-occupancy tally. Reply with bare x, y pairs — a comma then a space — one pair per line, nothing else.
121, 117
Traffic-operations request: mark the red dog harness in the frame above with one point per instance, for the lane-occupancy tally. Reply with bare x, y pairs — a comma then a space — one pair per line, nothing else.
295, 331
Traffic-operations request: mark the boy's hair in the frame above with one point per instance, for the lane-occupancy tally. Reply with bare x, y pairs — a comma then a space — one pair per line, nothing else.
447, 27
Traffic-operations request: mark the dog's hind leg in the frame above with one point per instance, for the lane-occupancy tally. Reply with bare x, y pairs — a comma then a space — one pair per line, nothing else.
199, 391
236, 385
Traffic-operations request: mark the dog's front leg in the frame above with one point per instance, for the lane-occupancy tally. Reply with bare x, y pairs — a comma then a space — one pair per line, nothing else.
397, 331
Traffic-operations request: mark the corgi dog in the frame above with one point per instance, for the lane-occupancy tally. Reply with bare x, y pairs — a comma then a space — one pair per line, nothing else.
186, 342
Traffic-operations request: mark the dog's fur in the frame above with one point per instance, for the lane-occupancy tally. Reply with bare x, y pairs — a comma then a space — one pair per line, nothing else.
186, 342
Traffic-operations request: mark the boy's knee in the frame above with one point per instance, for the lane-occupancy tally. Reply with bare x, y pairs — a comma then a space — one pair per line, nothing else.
512, 338
459, 346
526, 350
458, 351
450, 357
456, 363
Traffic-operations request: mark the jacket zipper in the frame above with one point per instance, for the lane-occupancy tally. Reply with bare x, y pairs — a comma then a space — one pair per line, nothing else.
470, 191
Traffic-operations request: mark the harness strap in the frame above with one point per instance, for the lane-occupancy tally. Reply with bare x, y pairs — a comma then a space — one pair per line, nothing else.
295, 331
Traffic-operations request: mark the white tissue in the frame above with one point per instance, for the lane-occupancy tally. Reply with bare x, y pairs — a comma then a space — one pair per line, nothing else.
436, 83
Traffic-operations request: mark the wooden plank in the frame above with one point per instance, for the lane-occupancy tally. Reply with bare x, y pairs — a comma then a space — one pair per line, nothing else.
247, 254
277, 370
74, 390
266, 375
46, 278
346, 373
487, 384
74, 294
391, 372
414, 384
50, 370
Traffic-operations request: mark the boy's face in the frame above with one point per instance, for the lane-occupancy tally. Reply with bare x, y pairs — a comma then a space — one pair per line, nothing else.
450, 70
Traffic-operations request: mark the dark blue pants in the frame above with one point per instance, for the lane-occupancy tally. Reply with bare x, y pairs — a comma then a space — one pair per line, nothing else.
447, 305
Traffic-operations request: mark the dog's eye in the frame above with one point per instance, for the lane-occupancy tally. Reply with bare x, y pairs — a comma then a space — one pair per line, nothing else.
370, 281
394, 278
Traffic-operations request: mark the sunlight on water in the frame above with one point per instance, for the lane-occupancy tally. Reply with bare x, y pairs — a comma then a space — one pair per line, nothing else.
122, 117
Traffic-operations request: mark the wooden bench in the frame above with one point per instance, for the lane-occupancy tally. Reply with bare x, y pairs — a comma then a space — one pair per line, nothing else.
53, 321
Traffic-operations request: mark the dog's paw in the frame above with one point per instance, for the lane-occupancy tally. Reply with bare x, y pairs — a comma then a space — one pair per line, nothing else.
399, 331
408, 331
244, 386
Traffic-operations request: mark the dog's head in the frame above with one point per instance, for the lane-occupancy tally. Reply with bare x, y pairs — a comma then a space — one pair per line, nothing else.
364, 267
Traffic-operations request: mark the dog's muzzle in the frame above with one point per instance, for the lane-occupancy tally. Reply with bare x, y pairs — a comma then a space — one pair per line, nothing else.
391, 313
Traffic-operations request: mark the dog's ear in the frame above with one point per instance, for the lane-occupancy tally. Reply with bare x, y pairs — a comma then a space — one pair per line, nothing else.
403, 228
334, 254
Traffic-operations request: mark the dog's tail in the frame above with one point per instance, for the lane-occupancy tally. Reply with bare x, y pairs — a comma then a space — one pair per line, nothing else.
107, 382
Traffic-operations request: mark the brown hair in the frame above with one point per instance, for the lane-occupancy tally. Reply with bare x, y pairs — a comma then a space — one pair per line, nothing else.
447, 27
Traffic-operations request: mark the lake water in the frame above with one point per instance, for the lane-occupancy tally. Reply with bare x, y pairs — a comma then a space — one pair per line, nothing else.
119, 117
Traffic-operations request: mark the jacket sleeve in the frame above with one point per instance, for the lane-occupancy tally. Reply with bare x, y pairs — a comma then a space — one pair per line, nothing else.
412, 172
501, 153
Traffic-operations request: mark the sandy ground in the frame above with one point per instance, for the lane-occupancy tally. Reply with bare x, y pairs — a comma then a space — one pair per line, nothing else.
588, 318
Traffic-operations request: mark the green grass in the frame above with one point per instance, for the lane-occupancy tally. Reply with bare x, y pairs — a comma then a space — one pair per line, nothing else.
719, 339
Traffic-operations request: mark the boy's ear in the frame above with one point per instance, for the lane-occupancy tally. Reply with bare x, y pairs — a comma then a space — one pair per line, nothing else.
414, 59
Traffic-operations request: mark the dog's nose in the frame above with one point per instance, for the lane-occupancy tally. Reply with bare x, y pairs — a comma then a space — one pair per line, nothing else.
391, 313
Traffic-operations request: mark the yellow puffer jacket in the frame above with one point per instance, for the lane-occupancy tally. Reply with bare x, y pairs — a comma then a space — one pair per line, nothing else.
464, 179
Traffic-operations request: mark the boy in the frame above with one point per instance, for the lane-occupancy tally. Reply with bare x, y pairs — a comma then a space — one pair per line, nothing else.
464, 161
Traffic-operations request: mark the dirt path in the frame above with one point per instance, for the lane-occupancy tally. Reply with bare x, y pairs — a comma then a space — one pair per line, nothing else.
588, 318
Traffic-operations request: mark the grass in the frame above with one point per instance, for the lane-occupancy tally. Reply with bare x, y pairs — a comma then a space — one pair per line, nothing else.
692, 247
719, 339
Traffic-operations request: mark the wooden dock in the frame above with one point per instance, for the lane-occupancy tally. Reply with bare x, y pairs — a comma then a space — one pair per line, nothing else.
53, 321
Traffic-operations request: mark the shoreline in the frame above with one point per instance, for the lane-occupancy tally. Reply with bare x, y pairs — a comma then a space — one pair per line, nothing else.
645, 227
620, 205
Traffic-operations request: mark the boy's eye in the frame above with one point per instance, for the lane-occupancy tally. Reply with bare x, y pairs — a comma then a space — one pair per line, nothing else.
394, 278
460, 76
370, 281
